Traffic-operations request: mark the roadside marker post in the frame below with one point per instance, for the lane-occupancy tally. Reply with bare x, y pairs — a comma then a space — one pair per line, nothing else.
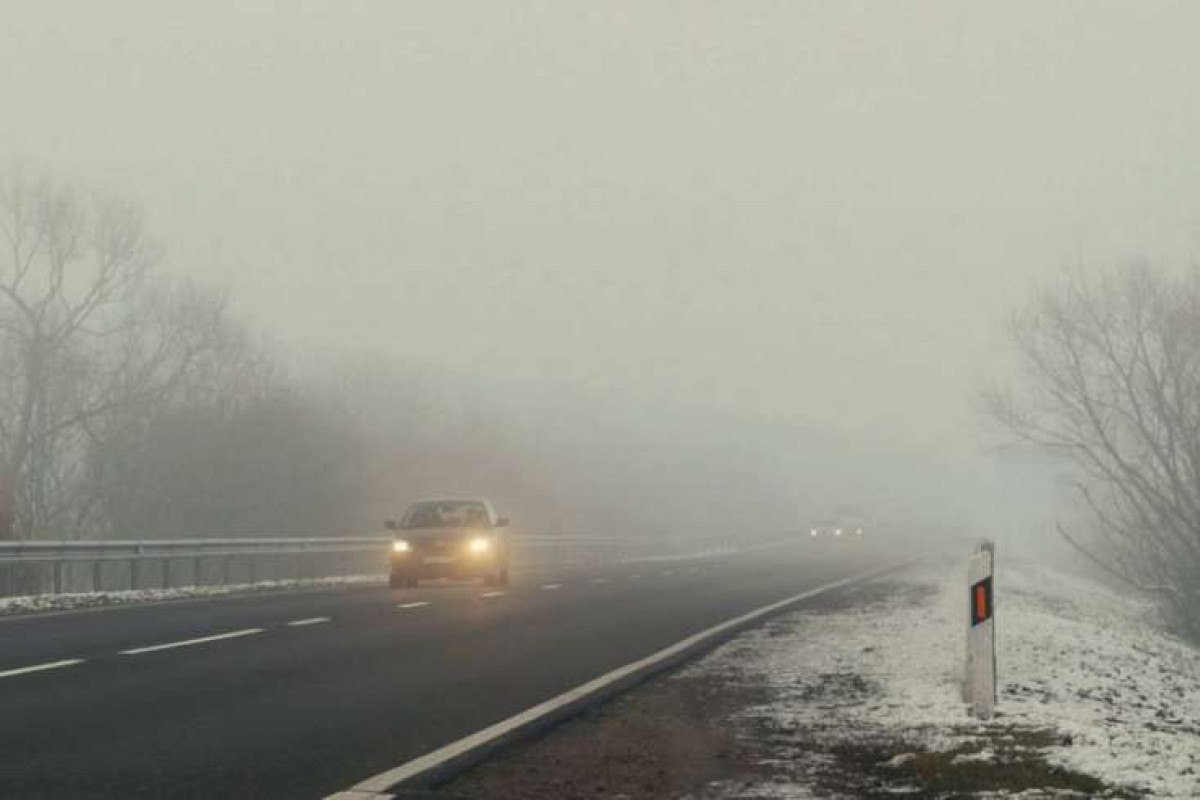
979, 678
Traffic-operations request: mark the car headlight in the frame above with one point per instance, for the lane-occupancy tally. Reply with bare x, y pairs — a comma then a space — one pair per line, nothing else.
479, 545
814, 531
838, 532
401, 546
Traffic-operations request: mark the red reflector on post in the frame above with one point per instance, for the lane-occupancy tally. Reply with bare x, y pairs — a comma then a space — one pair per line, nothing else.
981, 601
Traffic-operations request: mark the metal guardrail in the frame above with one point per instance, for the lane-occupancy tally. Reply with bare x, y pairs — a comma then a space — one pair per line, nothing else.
65, 551
55, 567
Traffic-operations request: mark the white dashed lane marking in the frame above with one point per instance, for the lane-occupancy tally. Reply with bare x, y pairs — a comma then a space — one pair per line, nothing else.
137, 651
12, 673
298, 623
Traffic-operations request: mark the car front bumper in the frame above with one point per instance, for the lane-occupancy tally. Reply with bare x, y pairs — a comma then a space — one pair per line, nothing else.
418, 565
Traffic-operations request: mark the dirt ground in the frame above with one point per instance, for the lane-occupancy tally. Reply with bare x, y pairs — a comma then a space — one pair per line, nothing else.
664, 739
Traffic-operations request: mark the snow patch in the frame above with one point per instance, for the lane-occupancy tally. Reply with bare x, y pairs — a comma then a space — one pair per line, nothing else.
984, 756
1107, 692
66, 602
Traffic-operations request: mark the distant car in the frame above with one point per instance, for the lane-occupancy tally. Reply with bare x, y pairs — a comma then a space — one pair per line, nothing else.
449, 538
838, 529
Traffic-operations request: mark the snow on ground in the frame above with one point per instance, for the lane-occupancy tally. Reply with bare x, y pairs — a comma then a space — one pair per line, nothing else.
66, 602
1094, 665
1087, 682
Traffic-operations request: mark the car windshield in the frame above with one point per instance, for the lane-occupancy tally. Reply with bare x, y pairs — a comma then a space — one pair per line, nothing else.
446, 514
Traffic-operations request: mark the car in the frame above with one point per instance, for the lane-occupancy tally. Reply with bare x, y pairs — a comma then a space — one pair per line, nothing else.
460, 538
846, 526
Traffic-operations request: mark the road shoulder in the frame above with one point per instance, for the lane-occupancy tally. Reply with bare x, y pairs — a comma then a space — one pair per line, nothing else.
858, 695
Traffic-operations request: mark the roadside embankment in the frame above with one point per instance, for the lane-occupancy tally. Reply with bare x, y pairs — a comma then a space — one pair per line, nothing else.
858, 695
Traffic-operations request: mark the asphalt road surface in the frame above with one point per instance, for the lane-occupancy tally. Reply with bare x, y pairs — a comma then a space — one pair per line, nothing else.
300, 695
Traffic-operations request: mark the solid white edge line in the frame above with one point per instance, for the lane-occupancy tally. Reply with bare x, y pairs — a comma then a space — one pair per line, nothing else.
299, 623
550, 587
494, 594
70, 662
380, 783
154, 648
417, 604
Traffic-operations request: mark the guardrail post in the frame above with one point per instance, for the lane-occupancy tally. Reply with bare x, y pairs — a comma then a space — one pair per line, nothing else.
133, 570
979, 678
196, 569
58, 577
166, 566
97, 575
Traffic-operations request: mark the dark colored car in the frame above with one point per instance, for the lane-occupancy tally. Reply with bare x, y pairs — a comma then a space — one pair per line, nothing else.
449, 538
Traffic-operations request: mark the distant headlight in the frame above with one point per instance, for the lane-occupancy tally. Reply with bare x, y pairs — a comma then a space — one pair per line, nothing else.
814, 531
401, 546
479, 545
858, 532
838, 532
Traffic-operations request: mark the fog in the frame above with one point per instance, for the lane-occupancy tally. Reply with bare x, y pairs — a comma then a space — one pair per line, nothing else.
750, 260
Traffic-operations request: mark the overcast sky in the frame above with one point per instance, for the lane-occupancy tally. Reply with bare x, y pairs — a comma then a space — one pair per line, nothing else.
809, 212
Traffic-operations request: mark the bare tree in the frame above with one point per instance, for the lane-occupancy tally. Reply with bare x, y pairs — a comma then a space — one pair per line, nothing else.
84, 335
240, 447
1111, 376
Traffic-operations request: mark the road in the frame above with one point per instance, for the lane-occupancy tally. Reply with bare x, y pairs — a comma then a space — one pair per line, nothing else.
303, 694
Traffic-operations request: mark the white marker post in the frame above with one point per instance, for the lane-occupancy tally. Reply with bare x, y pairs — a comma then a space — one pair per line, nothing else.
979, 680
